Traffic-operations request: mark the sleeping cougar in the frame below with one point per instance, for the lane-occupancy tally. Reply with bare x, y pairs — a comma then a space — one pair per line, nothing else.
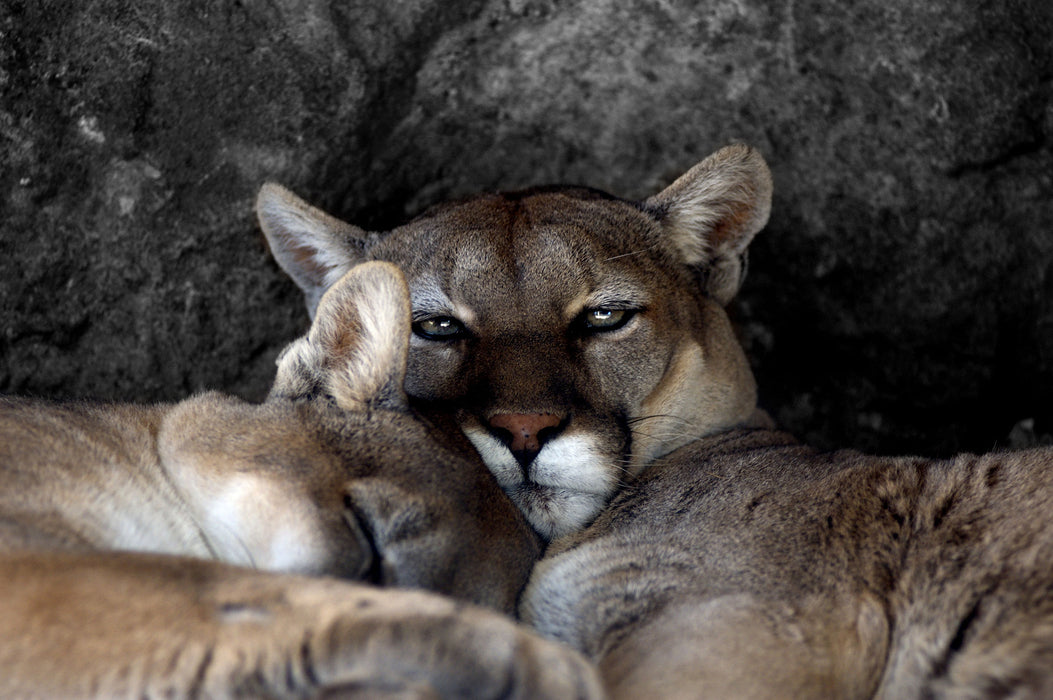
131, 538
577, 336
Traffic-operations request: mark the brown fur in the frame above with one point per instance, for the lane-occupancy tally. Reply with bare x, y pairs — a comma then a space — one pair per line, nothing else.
519, 271
134, 539
735, 563
746, 565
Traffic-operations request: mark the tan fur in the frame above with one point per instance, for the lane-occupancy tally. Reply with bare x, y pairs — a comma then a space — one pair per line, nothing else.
170, 550
519, 271
732, 563
745, 565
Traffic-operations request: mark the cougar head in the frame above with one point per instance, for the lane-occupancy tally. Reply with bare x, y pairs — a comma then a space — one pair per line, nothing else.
335, 474
575, 336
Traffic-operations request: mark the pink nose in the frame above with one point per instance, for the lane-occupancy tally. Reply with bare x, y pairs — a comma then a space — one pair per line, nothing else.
524, 428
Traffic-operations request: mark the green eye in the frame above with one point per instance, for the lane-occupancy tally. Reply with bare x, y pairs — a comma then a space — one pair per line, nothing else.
440, 328
599, 320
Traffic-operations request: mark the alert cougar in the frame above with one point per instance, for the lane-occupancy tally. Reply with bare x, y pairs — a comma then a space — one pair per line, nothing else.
577, 336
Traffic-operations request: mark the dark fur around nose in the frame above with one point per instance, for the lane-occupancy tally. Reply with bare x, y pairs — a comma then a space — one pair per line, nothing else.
525, 433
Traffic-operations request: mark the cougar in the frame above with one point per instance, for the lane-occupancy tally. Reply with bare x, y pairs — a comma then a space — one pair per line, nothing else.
581, 342
575, 336
747, 565
194, 549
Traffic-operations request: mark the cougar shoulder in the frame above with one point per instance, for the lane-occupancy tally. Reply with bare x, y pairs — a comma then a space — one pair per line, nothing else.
745, 565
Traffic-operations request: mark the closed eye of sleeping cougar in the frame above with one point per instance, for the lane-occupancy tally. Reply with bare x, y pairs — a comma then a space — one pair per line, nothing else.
576, 336
189, 550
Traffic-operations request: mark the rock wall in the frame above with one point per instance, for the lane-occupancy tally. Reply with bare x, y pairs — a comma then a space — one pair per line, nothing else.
900, 299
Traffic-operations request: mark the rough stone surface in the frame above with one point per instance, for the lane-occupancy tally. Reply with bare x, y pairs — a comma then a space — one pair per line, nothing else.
900, 299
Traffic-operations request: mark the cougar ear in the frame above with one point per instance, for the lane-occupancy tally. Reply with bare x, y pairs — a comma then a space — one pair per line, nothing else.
313, 248
357, 347
712, 212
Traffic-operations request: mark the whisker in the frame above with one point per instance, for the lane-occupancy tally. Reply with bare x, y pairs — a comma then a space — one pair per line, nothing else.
656, 416
634, 252
624, 463
666, 434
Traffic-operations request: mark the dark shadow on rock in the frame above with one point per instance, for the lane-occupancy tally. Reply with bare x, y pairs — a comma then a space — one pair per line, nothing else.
900, 300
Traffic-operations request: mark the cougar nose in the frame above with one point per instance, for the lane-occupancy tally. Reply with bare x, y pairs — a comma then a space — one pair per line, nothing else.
525, 433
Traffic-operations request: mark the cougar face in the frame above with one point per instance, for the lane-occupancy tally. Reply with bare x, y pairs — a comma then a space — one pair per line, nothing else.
574, 335
548, 343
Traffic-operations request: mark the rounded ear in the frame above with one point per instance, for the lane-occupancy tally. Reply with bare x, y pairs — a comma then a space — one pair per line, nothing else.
357, 347
313, 248
711, 213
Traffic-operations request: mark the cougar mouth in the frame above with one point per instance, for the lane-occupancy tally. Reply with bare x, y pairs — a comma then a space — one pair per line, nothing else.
554, 511
563, 487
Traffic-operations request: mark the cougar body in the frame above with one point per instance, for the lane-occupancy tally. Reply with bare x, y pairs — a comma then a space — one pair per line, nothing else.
748, 565
581, 342
196, 549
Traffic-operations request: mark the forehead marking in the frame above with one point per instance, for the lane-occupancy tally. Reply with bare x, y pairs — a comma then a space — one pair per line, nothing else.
427, 298
515, 254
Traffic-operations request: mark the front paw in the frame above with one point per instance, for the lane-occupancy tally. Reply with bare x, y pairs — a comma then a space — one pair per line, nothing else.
325, 638
403, 644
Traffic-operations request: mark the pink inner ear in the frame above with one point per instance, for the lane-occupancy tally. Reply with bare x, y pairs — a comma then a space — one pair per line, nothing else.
730, 234
306, 259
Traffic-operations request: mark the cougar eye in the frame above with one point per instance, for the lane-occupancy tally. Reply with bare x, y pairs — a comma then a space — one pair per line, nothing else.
603, 319
439, 328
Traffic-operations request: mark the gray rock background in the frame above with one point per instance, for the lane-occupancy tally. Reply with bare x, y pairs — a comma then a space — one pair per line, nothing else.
900, 300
